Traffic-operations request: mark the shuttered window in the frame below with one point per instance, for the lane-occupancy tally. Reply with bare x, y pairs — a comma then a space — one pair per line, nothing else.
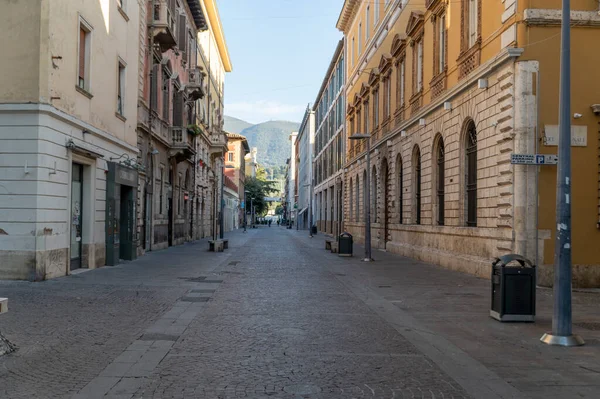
154, 88
182, 36
178, 109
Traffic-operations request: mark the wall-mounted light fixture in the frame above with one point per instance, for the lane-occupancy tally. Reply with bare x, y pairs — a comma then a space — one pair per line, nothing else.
403, 133
422, 122
482, 83
448, 106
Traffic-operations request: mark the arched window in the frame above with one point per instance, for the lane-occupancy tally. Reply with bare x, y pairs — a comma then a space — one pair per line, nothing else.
471, 173
400, 194
440, 176
351, 201
364, 190
373, 199
357, 214
417, 183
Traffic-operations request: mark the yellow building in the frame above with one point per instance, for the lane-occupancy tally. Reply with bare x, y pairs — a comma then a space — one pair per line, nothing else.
449, 90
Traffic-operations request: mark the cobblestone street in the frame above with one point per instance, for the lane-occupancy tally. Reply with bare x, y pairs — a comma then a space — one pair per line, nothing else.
277, 316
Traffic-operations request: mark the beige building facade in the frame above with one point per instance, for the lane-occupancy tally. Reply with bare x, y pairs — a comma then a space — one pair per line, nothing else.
449, 90
67, 135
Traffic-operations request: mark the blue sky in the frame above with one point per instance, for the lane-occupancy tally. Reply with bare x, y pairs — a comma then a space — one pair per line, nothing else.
280, 50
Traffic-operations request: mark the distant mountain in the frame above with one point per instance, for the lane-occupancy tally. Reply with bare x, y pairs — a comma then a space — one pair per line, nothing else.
235, 125
271, 138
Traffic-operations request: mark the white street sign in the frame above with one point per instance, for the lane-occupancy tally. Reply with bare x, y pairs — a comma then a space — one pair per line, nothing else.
533, 159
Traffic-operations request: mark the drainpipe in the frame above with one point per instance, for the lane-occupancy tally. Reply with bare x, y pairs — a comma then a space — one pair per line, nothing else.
151, 105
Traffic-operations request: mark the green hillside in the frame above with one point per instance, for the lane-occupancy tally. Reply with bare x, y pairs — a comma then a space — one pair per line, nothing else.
271, 138
235, 125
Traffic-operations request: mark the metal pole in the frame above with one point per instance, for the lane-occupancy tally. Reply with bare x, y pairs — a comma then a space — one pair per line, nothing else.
368, 205
222, 201
562, 318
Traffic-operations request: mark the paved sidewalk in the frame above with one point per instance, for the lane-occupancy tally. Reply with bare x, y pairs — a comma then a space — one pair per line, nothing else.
456, 306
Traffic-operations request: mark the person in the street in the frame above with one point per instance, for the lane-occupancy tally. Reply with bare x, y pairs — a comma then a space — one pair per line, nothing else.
270, 222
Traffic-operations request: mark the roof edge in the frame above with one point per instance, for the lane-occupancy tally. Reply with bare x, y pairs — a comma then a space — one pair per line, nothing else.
215, 22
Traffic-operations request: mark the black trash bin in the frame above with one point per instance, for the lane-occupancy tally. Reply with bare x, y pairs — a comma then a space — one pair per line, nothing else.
313, 230
513, 289
345, 244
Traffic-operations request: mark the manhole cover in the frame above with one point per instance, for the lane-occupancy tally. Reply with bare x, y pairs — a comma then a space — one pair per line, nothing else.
302, 389
234, 263
385, 286
588, 325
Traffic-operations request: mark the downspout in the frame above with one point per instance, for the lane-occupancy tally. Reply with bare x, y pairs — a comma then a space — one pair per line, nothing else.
150, 115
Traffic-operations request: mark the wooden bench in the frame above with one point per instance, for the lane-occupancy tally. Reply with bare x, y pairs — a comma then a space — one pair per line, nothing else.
328, 242
215, 246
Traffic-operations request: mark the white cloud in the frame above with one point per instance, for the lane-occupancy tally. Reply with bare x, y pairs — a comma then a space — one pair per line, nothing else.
263, 110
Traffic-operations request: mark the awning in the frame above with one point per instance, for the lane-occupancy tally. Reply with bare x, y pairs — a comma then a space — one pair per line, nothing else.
302, 211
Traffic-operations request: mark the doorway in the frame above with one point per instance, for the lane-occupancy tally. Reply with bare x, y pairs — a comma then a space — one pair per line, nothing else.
76, 216
126, 220
170, 224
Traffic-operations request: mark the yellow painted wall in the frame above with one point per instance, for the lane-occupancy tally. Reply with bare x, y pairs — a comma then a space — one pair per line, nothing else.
543, 44
20, 43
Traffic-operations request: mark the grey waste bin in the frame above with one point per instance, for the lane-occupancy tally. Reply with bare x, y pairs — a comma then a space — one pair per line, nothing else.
513, 289
345, 244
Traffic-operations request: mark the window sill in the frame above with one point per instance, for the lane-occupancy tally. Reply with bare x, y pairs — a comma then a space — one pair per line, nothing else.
84, 92
121, 117
123, 14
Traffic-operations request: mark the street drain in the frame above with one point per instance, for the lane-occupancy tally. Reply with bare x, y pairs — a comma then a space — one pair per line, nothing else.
234, 263
213, 281
193, 279
203, 291
588, 325
385, 286
195, 299
158, 337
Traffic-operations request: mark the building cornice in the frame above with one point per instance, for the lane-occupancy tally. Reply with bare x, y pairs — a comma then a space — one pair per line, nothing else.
66, 118
349, 10
551, 17
217, 28
334, 61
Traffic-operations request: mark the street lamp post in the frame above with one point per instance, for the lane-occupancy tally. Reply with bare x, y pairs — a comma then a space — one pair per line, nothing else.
367, 205
562, 329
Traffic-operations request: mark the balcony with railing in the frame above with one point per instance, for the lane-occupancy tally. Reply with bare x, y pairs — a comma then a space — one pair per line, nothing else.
182, 144
163, 24
218, 143
195, 86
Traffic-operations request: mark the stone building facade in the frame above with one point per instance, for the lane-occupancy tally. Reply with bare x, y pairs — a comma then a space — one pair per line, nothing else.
183, 60
330, 144
68, 145
448, 91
